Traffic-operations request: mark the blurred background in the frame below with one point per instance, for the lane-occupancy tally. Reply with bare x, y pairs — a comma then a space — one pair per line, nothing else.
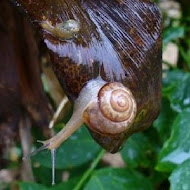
156, 159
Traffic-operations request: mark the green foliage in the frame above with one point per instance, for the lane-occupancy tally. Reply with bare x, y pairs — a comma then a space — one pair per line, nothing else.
118, 179
31, 186
172, 34
177, 89
179, 179
34, 186
176, 149
137, 151
164, 121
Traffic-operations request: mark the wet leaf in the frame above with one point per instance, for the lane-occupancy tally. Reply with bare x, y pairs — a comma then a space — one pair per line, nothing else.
177, 89
31, 186
66, 185
172, 34
137, 151
179, 179
165, 120
177, 149
117, 179
34, 186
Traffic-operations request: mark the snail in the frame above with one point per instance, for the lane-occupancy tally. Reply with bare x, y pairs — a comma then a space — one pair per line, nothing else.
111, 72
64, 30
108, 108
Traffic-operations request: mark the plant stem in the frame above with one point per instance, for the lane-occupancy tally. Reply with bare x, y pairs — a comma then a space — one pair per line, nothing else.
90, 170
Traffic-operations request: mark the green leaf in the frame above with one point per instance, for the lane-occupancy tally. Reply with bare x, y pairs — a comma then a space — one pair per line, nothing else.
172, 34
70, 184
31, 186
137, 151
117, 179
177, 149
185, 54
79, 149
177, 89
43, 175
165, 120
179, 179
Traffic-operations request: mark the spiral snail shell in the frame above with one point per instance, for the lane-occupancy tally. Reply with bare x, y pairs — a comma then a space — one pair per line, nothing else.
113, 111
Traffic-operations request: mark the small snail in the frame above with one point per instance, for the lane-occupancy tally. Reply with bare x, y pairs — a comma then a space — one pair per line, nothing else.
111, 72
107, 108
64, 30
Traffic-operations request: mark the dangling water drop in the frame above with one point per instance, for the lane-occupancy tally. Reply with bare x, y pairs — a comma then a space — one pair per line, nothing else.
53, 159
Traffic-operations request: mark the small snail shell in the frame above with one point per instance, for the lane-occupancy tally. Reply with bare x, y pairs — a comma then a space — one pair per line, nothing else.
64, 30
113, 111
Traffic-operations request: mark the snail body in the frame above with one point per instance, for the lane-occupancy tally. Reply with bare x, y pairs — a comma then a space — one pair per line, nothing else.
117, 49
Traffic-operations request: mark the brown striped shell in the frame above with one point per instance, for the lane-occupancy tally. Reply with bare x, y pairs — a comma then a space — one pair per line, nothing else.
113, 111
